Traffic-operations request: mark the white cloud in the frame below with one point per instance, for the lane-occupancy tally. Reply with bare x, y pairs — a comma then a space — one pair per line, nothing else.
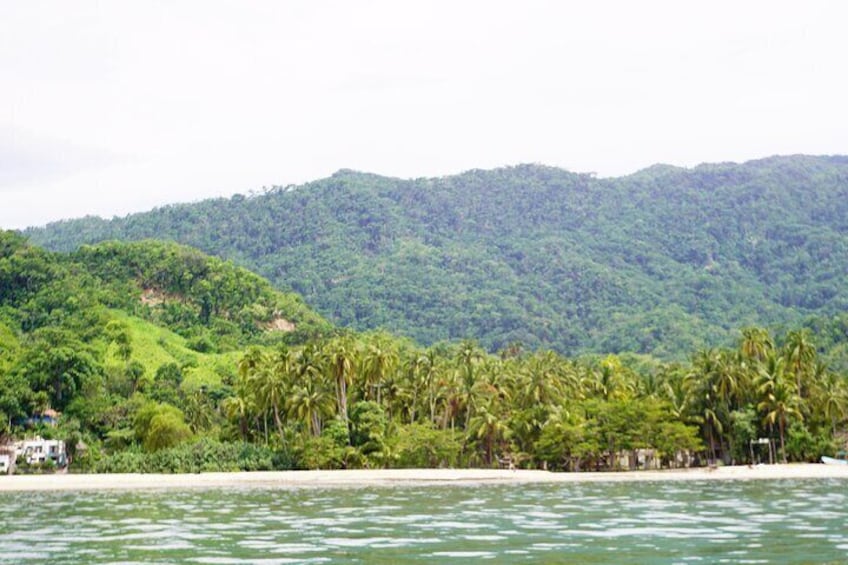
160, 102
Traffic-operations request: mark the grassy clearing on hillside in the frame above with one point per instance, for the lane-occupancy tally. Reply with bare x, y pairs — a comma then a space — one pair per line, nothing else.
153, 346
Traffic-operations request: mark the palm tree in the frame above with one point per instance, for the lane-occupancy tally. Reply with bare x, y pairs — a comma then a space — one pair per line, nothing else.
250, 362
310, 402
800, 355
270, 384
414, 382
673, 389
490, 427
467, 359
269, 390
832, 398
756, 344
728, 380
702, 389
450, 395
308, 363
249, 366
198, 410
443, 396
779, 399
495, 379
541, 381
611, 380
650, 386
238, 407
341, 356
379, 363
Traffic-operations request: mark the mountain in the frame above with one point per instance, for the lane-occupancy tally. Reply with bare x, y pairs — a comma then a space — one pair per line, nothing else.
153, 357
662, 261
77, 329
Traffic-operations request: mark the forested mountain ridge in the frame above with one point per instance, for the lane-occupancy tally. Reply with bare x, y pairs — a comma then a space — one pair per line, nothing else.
663, 261
85, 333
111, 314
224, 306
152, 357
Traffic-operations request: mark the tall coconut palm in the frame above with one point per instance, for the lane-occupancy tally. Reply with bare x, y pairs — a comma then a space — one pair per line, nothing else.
612, 381
199, 411
541, 380
310, 402
309, 362
729, 380
451, 395
756, 344
832, 398
341, 356
495, 380
800, 356
239, 408
269, 388
443, 393
378, 365
673, 390
250, 362
489, 427
468, 357
778, 397
702, 389
414, 382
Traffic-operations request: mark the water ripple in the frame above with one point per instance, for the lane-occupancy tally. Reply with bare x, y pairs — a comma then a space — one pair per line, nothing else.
741, 522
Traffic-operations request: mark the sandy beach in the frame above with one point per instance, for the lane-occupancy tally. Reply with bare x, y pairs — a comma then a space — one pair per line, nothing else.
388, 477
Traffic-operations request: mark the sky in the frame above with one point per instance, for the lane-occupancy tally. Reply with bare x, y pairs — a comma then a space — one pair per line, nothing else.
108, 108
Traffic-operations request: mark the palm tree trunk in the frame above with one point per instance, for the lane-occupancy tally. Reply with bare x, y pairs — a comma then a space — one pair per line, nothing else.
341, 394
782, 443
316, 425
277, 420
432, 402
243, 428
414, 406
712, 443
489, 442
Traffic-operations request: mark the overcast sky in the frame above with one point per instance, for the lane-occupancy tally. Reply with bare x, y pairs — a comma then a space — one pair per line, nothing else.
112, 107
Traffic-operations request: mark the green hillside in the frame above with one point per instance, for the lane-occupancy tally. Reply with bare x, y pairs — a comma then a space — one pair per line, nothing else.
79, 332
663, 261
152, 357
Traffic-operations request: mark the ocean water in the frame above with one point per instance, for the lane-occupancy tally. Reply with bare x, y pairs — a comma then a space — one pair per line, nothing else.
797, 521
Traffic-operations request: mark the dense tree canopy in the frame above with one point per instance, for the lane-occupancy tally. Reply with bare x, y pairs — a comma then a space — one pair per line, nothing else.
457, 405
162, 359
76, 328
663, 261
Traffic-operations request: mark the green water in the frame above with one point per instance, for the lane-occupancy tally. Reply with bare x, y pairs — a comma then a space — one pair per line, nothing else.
698, 522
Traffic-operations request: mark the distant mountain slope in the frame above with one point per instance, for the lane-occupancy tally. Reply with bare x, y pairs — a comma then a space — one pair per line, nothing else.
214, 304
196, 295
79, 330
661, 261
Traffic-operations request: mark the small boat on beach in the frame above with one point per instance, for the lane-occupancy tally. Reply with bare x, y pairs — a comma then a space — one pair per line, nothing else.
833, 461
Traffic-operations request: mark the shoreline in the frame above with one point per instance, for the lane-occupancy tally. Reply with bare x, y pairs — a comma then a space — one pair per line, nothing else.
402, 477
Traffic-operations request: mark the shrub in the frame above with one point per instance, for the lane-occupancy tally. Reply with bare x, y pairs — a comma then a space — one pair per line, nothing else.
204, 455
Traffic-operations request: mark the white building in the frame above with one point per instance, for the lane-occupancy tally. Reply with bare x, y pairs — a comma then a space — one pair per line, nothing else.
37, 451
6, 460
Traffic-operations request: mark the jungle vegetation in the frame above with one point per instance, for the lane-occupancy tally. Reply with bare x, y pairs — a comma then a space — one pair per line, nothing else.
665, 261
160, 358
